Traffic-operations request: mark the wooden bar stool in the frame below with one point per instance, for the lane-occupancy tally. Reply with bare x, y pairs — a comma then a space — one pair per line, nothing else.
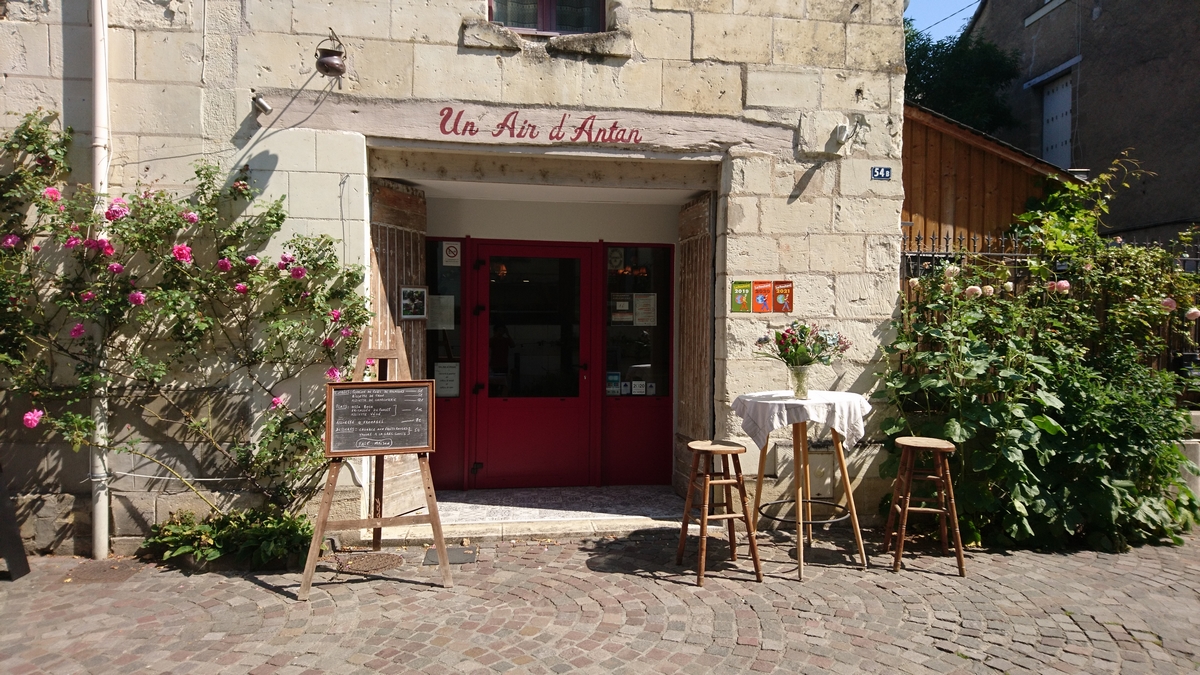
703, 452
910, 448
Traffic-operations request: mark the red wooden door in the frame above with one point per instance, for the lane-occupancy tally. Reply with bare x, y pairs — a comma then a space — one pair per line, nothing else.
534, 389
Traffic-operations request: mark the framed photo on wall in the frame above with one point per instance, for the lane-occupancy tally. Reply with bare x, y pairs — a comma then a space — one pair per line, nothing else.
414, 302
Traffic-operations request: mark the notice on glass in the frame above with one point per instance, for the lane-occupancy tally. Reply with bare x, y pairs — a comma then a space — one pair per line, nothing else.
612, 385
379, 418
645, 309
620, 309
739, 297
440, 313
445, 379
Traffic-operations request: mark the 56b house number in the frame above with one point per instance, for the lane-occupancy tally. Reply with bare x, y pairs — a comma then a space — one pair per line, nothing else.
881, 173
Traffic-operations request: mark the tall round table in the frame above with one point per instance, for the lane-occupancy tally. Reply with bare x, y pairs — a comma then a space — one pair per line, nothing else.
843, 412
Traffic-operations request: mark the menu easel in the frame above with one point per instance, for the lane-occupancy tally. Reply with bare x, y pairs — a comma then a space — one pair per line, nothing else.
377, 419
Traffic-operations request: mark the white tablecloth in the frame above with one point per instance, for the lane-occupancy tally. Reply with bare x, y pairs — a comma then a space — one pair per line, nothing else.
765, 411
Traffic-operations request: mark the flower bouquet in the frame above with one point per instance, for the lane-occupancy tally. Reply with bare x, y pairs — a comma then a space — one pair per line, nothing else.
799, 346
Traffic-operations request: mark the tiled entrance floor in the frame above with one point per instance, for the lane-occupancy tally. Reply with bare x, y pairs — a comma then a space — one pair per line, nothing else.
546, 513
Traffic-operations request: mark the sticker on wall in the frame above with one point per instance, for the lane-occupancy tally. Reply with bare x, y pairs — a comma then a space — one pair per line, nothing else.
645, 309
612, 385
739, 297
781, 296
761, 300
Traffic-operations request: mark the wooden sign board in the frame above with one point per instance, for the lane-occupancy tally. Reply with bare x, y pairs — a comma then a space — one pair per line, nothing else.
379, 418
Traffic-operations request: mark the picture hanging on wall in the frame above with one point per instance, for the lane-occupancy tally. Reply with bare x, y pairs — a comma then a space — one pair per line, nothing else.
414, 301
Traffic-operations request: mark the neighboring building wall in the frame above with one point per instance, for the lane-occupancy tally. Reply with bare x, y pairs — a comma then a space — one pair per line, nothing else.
1134, 87
758, 87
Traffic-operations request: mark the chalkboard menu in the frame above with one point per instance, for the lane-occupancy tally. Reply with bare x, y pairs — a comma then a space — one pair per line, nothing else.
378, 418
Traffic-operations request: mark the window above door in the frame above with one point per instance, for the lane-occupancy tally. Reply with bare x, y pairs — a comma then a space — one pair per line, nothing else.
549, 17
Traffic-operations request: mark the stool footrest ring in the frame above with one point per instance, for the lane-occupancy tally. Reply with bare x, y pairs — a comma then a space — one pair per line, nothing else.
839, 508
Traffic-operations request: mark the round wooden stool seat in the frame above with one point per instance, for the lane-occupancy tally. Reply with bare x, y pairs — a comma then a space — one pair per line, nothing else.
925, 443
717, 447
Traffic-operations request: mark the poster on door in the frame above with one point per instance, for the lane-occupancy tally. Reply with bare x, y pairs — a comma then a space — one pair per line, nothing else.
645, 309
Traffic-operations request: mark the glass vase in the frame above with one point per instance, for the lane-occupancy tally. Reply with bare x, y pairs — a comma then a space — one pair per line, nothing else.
799, 378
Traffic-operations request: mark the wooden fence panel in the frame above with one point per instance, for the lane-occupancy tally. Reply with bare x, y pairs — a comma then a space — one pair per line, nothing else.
696, 279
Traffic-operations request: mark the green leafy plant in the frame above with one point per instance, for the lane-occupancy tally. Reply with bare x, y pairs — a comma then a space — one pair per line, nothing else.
803, 344
1067, 433
169, 308
253, 536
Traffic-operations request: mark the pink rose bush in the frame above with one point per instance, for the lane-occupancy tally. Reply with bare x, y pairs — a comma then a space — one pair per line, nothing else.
32, 418
116, 268
117, 209
137, 298
182, 253
241, 288
77, 332
190, 217
52, 193
252, 261
224, 265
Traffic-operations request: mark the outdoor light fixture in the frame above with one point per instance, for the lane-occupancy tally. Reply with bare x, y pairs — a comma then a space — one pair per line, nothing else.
261, 104
330, 60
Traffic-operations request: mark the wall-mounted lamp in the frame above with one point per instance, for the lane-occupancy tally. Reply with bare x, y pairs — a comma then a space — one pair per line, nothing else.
330, 60
260, 103
844, 132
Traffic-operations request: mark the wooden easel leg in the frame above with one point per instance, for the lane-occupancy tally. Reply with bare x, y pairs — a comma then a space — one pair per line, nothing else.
314, 549
807, 481
377, 504
435, 521
798, 489
849, 487
762, 467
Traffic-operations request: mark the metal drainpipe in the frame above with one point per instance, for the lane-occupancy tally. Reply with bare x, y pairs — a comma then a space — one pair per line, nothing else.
101, 148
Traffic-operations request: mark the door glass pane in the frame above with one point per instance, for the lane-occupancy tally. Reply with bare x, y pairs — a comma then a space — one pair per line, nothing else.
579, 16
443, 351
638, 352
516, 13
533, 327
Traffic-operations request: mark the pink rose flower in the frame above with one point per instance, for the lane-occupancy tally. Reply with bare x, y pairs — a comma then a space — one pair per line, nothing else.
287, 258
61, 208
278, 401
1051, 286
252, 260
281, 265
241, 288
327, 343
334, 374
298, 272
335, 314
1192, 314
32, 418
304, 294
117, 210
10, 241
87, 296
52, 194
190, 217
74, 227
91, 243
1063, 286
182, 253
36, 248
108, 249
1169, 304
137, 298
346, 332
72, 242
224, 265
973, 292
116, 268
370, 362
77, 331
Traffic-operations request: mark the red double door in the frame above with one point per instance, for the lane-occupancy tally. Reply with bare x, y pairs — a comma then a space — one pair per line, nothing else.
545, 351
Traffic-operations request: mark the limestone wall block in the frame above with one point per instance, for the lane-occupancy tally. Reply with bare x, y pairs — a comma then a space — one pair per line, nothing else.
269, 16
794, 252
383, 68
809, 43
441, 72
741, 215
168, 56
123, 165
349, 18
53, 13
838, 10
713, 88
887, 11
715, 6
854, 178
348, 233
662, 35
883, 254
749, 374
224, 17
837, 253
635, 84
428, 21
731, 37
854, 90
741, 331
282, 150
818, 134
156, 108
220, 64
878, 135
778, 89
341, 152
875, 47
805, 181
749, 172
750, 254
813, 295
326, 196
139, 14
538, 79
275, 60
165, 158
868, 216
24, 48
71, 53
865, 339
787, 216
776, 8
865, 296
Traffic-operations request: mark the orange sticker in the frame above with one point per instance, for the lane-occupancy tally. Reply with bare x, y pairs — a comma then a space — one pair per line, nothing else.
781, 296
761, 297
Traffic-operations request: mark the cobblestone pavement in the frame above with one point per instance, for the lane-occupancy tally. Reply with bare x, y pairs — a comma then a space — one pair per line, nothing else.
619, 606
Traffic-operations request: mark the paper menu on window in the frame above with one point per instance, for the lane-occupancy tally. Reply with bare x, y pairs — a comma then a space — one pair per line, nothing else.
440, 314
645, 309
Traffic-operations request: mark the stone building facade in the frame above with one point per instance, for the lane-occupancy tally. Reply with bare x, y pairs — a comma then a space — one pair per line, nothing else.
772, 115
